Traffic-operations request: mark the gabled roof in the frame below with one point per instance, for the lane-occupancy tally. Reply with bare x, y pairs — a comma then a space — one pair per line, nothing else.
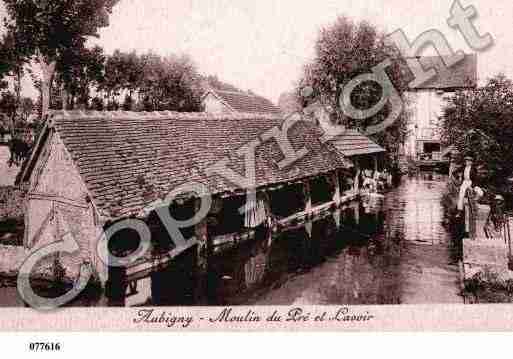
449, 151
460, 76
244, 102
129, 160
353, 143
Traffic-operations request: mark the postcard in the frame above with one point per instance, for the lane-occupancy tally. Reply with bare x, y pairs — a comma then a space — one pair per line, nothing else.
255, 166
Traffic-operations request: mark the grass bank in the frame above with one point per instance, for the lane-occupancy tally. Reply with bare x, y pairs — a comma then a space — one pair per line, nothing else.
11, 216
487, 287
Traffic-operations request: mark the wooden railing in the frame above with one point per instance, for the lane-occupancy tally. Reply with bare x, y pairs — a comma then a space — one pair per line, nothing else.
453, 187
490, 226
496, 226
506, 226
471, 214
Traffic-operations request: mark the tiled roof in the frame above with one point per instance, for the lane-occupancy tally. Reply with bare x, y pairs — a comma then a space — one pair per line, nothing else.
128, 160
352, 143
449, 151
247, 103
461, 75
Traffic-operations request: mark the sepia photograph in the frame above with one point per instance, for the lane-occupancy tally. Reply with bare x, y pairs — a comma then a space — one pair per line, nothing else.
193, 164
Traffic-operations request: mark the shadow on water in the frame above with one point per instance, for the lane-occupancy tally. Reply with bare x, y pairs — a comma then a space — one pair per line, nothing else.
350, 264
375, 255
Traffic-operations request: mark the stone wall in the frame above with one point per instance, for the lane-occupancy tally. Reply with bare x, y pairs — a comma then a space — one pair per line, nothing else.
12, 258
486, 254
481, 253
11, 202
11, 216
8, 174
57, 205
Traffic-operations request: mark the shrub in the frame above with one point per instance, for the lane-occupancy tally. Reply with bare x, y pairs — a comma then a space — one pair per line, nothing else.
11, 203
11, 216
487, 287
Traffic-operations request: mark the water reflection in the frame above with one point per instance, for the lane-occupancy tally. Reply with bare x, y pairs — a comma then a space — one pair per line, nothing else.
395, 252
346, 265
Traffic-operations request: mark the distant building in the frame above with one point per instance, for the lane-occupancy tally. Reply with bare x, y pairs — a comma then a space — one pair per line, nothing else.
233, 102
364, 153
424, 142
91, 169
289, 103
5, 137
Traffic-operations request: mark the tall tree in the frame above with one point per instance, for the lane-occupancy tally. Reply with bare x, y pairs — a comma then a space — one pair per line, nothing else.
114, 78
214, 82
480, 123
343, 51
133, 69
79, 70
25, 109
49, 28
170, 83
8, 109
14, 57
123, 73
97, 104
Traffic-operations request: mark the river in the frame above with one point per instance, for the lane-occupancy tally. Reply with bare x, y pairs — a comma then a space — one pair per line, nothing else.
399, 253
8, 173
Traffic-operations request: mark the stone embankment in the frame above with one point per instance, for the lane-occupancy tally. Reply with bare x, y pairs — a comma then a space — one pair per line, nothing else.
12, 252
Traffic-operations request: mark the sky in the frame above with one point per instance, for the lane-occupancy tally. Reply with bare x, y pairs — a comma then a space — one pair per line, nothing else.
263, 45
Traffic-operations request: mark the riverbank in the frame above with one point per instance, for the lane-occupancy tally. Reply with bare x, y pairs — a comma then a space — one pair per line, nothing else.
487, 288
401, 254
484, 255
11, 216
398, 253
12, 227
7, 173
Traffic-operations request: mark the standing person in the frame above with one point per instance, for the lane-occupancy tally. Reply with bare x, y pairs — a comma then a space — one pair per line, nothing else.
496, 221
367, 181
389, 178
377, 180
468, 176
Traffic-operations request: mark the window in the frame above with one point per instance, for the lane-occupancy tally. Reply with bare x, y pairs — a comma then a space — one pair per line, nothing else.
430, 147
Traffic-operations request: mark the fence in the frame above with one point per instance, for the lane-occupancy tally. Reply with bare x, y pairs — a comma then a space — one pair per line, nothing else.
489, 223
507, 238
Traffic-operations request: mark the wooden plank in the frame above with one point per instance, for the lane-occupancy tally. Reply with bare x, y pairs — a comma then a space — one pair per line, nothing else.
144, 269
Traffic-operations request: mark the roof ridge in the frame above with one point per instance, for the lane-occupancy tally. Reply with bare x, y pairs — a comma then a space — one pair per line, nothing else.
465, 54
248, 94
127, 170
241, 92
73, 114
246, 102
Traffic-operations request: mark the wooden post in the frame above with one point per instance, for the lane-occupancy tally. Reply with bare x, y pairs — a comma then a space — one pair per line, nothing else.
336, 182
336, 216
308, 197
452, 164
356, 207
467, 218
204, 251
269, 224
139, 292
309, 228
507, 232
356, 182
201, 233
308, 208
375, 162
356, 185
